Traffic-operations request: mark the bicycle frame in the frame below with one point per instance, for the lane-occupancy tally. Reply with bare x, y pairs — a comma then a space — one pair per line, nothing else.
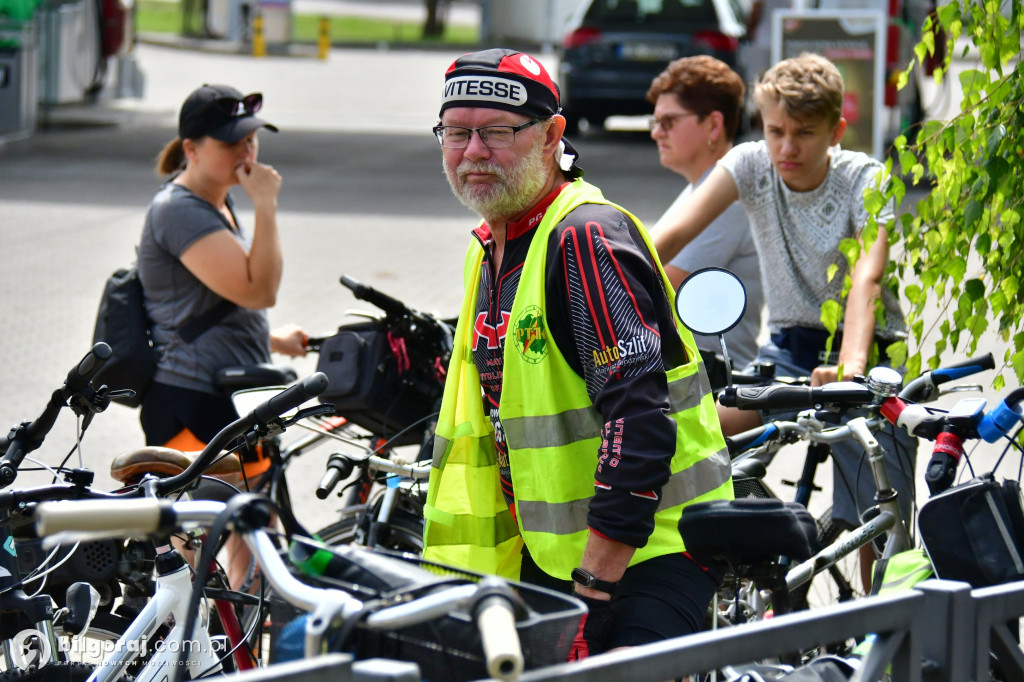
889, 520
171, 599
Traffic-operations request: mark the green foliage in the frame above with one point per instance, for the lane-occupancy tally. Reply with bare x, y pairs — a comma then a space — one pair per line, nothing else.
960, 251
166, 16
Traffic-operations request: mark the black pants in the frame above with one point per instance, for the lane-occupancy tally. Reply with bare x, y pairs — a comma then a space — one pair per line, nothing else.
166, 410
661, 598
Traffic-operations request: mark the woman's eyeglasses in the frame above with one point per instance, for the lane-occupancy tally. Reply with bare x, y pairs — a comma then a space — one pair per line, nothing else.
235, 108
667, 121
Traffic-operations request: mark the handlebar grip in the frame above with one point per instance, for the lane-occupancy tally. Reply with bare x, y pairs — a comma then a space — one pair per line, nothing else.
1002, 418
292, 397
962, 369
747, 440
339, 467
82, 373
117, 517
392, 306
782, 397
502, 651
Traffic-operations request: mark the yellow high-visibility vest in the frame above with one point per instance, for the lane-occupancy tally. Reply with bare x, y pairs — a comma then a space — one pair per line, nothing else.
553, 434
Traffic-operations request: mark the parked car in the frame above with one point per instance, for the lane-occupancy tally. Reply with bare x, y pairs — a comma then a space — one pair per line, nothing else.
615, 48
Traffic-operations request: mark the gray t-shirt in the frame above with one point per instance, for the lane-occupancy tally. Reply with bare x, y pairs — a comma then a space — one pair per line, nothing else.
176, 218
798, 233
726, 243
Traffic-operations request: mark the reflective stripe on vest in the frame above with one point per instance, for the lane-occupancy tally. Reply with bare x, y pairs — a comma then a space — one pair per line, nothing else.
575, 425
565, 518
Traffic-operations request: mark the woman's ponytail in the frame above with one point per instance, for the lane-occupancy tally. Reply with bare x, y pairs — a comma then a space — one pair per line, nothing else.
171, 158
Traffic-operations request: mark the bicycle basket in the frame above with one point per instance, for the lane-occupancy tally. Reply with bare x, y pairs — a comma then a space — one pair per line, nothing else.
975, 532
378, 382
448, 648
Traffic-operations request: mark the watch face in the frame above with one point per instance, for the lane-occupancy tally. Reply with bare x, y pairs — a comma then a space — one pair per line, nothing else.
582, 577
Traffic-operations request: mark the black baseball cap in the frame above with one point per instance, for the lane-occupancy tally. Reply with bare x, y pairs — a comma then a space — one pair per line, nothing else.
220, 112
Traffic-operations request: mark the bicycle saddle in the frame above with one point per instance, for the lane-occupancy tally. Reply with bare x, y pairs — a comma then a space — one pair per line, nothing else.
130, 467
237, 378
746, 532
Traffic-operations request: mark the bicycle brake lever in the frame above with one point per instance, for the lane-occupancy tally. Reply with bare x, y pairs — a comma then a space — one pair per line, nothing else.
314, 411
960, 388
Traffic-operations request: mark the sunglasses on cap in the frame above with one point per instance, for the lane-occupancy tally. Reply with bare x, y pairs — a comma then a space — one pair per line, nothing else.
236, 108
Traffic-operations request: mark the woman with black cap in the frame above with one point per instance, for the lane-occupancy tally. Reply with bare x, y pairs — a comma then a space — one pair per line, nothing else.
207, 281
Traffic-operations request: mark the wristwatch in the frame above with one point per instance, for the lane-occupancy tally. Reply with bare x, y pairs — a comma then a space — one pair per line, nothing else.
581, 577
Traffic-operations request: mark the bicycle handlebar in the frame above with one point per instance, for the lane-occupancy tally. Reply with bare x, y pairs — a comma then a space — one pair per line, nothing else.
778, 397
28, 436
391, 306
340, 466
846, 393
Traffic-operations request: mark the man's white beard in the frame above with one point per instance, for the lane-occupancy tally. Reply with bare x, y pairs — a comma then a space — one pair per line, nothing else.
513, 192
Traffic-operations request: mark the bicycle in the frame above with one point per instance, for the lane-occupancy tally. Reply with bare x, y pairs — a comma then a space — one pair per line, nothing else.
371, 604
972, 532
758, 540
172, 584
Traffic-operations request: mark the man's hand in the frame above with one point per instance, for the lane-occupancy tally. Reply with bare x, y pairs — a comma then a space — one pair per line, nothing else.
825, 374
595, 627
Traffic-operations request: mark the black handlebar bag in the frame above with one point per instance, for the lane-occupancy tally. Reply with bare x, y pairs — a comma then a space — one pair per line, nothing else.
380, 381
975, 532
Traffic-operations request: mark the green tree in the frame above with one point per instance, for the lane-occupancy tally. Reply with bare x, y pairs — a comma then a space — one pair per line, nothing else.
962, 249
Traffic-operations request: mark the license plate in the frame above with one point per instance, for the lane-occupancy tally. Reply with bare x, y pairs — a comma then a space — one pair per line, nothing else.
648, 52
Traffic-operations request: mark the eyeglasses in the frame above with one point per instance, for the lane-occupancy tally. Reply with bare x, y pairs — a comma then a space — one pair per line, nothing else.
667, 121
236, 108
495, 137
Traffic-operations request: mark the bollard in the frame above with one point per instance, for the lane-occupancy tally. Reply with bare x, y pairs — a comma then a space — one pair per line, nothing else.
259, 43
323, 41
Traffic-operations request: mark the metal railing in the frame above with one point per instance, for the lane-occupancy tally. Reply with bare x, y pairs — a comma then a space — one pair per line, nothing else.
940, 631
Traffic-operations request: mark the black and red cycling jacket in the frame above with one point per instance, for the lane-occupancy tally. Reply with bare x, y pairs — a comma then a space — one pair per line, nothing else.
606, 308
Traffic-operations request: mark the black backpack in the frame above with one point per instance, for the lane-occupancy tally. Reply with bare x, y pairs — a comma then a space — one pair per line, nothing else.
122, 323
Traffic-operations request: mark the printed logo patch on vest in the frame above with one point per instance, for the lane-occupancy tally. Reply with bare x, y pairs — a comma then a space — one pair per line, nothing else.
529, 334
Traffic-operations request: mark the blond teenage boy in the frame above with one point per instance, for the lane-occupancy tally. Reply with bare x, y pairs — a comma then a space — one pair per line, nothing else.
803, 194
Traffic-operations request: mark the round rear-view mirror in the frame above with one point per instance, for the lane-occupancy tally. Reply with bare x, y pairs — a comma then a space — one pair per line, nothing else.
711, 301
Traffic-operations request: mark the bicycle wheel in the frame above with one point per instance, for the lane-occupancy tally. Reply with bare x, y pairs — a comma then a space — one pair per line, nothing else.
841, 582
402, 532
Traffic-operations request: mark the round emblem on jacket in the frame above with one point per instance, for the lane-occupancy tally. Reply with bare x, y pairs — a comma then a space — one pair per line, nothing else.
530, 337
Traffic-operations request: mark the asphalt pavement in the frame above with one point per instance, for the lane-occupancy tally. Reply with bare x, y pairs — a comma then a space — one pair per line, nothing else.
363, 195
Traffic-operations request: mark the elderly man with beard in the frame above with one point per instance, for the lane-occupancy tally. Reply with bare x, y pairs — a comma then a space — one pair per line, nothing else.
577, 421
